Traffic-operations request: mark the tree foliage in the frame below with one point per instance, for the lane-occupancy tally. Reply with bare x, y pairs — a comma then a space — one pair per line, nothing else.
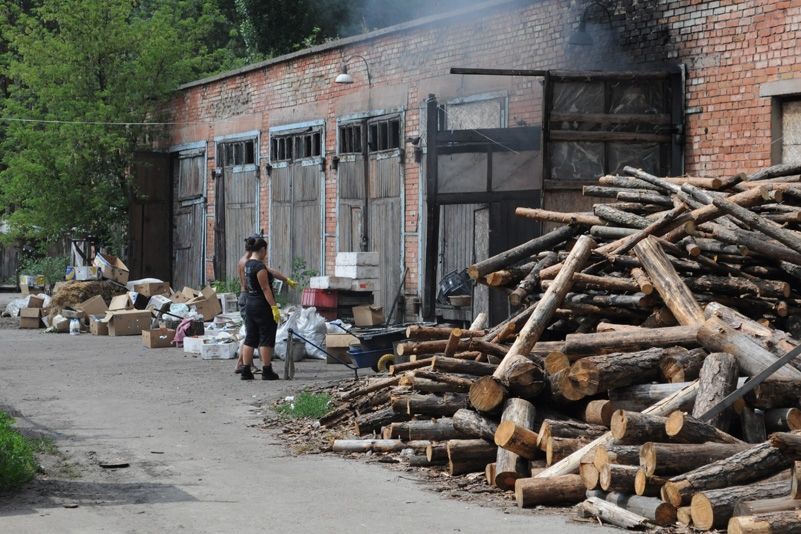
83, 64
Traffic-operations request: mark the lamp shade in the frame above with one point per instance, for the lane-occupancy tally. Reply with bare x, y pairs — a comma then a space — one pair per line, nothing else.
344, 77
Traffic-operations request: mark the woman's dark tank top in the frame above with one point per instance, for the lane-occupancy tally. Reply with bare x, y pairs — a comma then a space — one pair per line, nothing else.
255, 293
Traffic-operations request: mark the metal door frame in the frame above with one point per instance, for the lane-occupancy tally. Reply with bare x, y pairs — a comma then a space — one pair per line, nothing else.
285, 129
174, 151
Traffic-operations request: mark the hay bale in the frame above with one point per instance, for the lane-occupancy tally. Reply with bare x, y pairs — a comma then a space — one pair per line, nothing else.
74, 293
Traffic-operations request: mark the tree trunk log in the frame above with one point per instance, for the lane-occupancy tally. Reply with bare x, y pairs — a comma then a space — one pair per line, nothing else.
530, 283
437, 430
781, 503
682, 366
682, 428
434, 333
616, 477
713, 508
517, 439
616, 454
474, 425
664, 406
435, 406
718, 378
568, 429
642, 280
400, 368
454, 365
684, 515
517, 371
371, 387
468, 456
671, 288
752, 425
773, 393
548, 241
599, 412
424, 385
648, 486
783, 419
738, 286
784, 236
461, 383
670, 459
717, 336
617, 217
589, 474
367, 445
637, 398
583, 344
510, 466
607, 283
585, 219
636, 428
755, 463
418, 348
566, 489
558, 448
372, 422
774, 523
612, 514
599, 373
656, 511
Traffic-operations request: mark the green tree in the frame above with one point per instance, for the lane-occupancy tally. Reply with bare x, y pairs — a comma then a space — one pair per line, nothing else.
80, 65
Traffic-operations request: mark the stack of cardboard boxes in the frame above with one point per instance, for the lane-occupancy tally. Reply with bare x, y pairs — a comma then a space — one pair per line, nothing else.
30, 317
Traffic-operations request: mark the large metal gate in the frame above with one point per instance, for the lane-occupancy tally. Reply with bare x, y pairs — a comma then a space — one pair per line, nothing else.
369, 176
296, 178
189, 204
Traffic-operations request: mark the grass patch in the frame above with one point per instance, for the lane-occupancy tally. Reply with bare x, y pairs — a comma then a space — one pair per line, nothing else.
17, 459
44, 445
305, 405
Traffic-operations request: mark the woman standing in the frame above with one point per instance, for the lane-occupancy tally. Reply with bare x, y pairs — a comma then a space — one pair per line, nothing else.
242, 301
262, 314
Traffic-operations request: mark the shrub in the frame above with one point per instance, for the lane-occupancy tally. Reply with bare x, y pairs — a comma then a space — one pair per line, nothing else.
17, 460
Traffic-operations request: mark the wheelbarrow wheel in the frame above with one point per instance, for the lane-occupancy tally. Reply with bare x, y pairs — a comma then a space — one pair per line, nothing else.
383, 363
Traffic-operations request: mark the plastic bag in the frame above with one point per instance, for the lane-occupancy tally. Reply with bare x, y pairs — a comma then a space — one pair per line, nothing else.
311, 325
282, 334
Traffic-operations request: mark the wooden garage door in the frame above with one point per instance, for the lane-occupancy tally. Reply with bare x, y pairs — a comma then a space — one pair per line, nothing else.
189, 181
296, 227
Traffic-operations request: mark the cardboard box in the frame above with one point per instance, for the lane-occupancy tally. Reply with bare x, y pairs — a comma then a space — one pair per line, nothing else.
37, 280
330, 282
357, 258
93, 306
98, 325
152, 289
128, 322
30, 318
35, 302
194, 344
207, 304
368, 315
357, 271
139, 300
112, 268
160, 338
82, 274
337, 345
121, 302
219, 351
60, 323
159, 303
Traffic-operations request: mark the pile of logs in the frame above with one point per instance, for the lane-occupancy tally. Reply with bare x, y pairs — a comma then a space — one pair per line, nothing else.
603, 388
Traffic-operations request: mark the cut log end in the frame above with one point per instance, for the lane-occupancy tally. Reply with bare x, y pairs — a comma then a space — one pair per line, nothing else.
702, 512
487, 394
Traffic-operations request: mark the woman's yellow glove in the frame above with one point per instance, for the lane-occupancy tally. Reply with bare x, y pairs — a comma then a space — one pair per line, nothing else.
276, 314
292, 283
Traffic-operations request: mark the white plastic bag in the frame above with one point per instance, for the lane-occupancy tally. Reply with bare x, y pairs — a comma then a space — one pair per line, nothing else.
311, 325
282, 334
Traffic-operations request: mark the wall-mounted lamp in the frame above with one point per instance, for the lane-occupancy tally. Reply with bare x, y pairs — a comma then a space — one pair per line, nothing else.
345, 78
580, 37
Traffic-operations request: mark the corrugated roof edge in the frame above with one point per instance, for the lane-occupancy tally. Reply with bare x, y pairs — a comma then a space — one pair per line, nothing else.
339, 43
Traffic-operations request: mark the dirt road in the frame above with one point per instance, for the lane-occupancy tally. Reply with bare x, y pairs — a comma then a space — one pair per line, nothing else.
197, 461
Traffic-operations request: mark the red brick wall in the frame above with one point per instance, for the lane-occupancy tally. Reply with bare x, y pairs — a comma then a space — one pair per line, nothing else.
730, 47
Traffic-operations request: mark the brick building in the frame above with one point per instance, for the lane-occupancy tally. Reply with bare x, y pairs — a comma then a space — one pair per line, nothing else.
324, 167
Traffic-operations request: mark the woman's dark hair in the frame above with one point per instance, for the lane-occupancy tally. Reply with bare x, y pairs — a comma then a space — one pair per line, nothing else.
255, 244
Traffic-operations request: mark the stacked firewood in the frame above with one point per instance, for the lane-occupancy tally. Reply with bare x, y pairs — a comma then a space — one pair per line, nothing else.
632, 324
